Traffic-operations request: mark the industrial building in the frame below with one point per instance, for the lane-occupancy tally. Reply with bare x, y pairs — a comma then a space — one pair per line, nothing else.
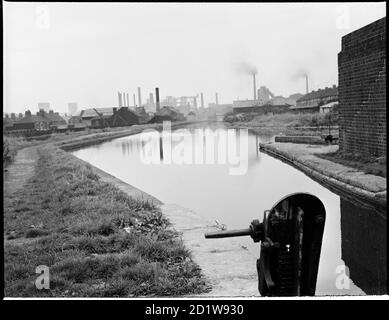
92, 113
124, 117
167, 114
215, 110
72, 108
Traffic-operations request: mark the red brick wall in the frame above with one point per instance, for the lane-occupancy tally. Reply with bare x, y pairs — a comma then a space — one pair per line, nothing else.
362, 90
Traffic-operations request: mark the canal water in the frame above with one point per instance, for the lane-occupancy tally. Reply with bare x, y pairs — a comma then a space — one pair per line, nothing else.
200, 171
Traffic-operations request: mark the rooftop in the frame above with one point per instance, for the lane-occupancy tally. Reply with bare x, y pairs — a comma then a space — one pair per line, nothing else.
321, 93
90, 112
31, 118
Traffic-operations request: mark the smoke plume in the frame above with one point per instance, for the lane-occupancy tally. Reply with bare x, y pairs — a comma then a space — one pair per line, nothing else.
300, 73
246, 68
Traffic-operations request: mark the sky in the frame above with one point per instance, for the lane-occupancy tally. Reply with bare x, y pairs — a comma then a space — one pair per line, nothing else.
87, 52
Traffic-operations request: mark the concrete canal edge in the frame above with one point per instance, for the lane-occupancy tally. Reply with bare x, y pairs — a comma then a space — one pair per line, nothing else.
343, 180
228, 266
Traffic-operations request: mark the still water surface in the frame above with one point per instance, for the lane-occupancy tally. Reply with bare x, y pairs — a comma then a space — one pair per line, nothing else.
353, 256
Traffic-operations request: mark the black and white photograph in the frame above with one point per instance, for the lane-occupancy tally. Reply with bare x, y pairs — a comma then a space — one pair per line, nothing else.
194, 151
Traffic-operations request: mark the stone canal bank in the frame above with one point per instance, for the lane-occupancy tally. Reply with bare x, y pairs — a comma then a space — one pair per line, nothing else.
337, 177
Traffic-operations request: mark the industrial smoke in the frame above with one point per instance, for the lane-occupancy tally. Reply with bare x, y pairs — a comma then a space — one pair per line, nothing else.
247, 68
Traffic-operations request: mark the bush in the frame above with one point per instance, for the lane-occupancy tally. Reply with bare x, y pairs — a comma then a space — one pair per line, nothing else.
36, 232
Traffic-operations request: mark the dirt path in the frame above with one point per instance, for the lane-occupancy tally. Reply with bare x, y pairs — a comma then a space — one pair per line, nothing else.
15, 176
19, 171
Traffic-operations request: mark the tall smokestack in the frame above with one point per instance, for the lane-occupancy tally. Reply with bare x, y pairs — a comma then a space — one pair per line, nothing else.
134, 100
120, 99
139, 98
216, 99
255, 87
157, 99
202, 100
128, 100
306, 84
124, 99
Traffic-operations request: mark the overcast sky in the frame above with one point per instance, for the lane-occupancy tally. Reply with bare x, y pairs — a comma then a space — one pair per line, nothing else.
86, 53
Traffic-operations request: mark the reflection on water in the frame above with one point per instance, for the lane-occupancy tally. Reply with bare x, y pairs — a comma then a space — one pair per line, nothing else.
354, 236
364, 246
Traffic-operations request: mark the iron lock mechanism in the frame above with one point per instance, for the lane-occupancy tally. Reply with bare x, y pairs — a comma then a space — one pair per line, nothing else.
291, 236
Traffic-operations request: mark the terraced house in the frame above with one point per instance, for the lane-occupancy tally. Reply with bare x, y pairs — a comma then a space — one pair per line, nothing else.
312, 101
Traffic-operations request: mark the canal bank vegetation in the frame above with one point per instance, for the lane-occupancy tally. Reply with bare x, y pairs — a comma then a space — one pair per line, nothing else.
286, 123
11, 145
96, 240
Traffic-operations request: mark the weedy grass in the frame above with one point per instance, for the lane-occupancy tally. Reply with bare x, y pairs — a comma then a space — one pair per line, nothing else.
96, 240
369, 165
287, 123
10, 147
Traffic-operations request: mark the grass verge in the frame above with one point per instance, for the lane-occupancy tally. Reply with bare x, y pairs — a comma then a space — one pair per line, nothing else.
286, 123
96, 240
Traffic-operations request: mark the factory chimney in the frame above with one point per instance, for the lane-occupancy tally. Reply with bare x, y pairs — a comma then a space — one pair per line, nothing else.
255, 87
157, 99
202, 100
306, 84
134, 100
151, 98
216, 99
120, 99
139, 98
128, 100
124, 99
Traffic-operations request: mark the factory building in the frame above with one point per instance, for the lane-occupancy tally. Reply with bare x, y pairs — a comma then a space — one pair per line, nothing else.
167, 114
72, 108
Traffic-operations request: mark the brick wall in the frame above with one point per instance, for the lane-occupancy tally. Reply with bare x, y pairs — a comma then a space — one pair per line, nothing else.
362, 90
